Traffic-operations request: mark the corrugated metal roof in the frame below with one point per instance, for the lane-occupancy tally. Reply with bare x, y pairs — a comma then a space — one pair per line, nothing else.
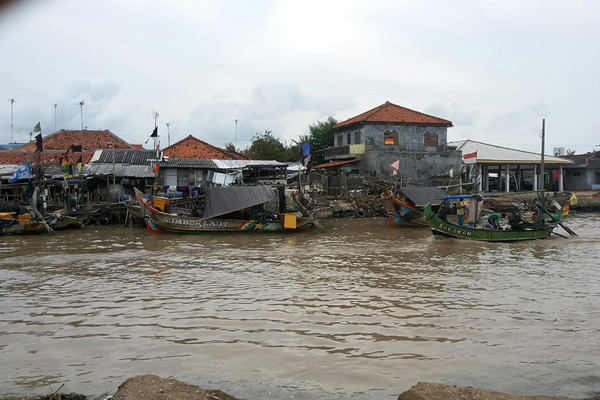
491, 154
238, 164
187, 163
133, 157
121, 170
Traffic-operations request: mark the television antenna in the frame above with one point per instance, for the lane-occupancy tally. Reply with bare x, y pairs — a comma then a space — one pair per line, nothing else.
81, 104
55, 105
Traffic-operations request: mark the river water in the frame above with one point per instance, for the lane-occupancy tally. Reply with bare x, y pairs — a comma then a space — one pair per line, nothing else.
361, 311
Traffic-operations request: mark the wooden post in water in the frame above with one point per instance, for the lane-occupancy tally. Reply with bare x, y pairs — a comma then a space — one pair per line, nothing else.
541, 182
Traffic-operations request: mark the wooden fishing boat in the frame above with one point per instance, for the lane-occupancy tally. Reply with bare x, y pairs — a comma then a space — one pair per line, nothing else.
59, 221
221, 204
444, 228
406, 211
403, 215
9, 225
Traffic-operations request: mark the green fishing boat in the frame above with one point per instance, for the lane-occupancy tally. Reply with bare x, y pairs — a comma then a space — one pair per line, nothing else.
445, 228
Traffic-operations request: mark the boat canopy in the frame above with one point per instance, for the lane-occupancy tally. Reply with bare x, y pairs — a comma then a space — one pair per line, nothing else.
227, 199
423, 195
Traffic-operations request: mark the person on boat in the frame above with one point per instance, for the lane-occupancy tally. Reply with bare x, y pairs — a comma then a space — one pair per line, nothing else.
515, 221
460, 212
573, 201
494, 220
443, 212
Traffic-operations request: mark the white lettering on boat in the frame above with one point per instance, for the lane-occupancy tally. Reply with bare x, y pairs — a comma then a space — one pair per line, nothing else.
455, 231
193, 222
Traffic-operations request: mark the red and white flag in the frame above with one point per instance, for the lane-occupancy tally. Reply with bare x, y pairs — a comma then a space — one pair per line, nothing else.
470, 158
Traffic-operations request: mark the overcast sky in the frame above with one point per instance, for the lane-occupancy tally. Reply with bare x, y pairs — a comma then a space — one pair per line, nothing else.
494, 68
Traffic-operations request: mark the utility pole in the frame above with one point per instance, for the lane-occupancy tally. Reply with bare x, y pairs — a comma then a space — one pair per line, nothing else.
235, 136
55, 105
155, 116
541, 182
168, 133
12, 102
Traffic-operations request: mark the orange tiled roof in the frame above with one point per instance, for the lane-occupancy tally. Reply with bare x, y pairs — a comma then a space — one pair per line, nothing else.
392, 113
89, 140
194, 148
47, 158
335, 163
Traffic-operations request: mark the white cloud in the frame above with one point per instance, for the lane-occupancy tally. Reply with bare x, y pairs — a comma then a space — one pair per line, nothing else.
494, 68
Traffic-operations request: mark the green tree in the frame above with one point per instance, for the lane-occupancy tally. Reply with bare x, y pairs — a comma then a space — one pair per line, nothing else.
321, 137
267, 147
229, 147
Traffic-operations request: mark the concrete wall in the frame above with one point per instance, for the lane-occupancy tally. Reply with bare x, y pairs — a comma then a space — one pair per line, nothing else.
416, 165
581, 178
410, 138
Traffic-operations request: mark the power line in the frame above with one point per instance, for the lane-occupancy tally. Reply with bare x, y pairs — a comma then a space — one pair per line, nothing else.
522, 134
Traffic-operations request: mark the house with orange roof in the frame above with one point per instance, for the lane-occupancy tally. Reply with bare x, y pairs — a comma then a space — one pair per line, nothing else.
193, 148
390, 141
58, 147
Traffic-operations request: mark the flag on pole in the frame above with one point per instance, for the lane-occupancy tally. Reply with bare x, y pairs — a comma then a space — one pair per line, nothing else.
23, 172
470, 158
396, 166
37, 128
154, 134
307, 156
305, 149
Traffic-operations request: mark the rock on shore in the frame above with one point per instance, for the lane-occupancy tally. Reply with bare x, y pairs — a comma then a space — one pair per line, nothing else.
438, 391
152, 387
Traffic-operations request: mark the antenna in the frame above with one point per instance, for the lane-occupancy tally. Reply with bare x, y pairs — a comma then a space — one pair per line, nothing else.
81, 104
12, 102
55, 105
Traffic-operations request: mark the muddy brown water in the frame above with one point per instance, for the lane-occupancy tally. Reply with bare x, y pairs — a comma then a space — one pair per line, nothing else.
361, 311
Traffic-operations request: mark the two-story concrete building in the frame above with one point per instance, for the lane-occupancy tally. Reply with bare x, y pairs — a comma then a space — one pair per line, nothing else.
366, 145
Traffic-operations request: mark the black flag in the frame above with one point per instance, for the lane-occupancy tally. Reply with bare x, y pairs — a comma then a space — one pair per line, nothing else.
154, 133
38, 143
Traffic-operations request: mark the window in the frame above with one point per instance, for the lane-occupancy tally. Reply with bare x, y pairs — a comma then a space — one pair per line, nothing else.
357, 138
390, 138
430, 139
349, 135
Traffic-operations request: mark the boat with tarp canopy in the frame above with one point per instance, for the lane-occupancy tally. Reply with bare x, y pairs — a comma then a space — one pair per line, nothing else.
226, 209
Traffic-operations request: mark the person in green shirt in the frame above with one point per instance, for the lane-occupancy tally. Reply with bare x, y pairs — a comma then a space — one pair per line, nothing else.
494, 220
